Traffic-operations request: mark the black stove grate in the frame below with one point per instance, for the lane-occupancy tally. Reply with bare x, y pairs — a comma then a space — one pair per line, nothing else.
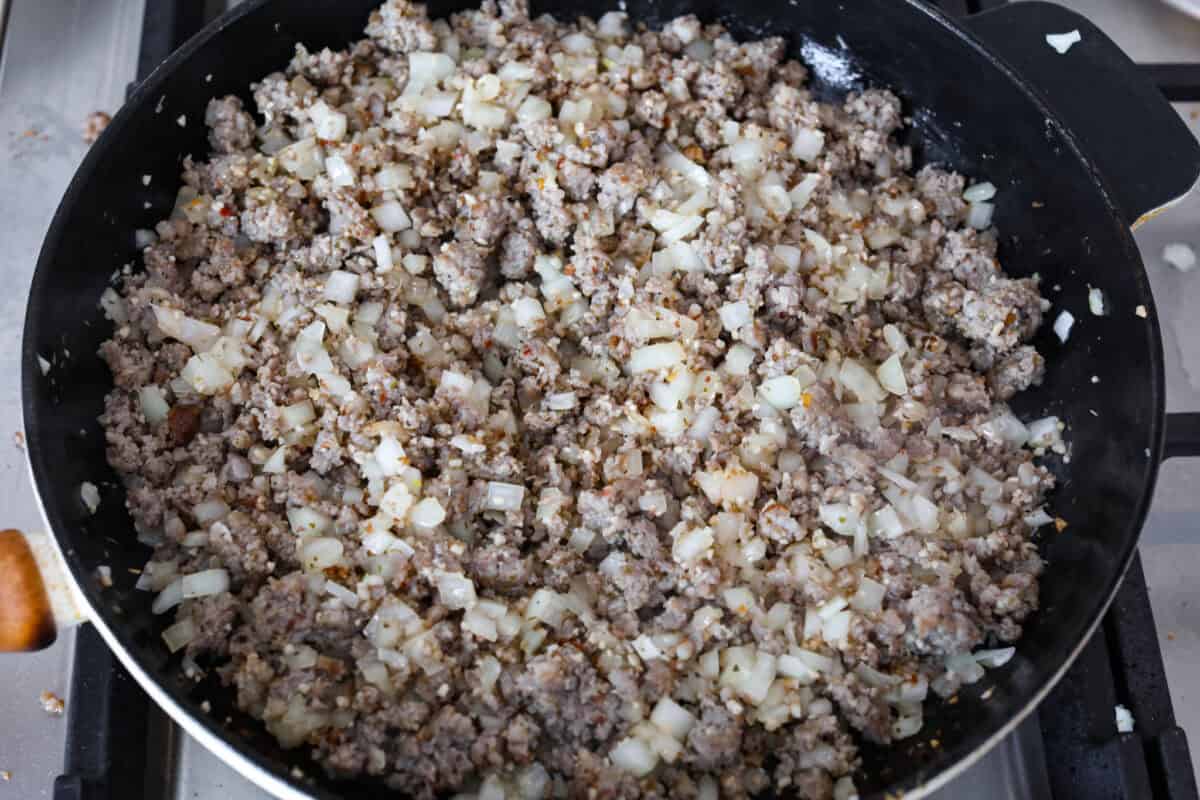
118, 747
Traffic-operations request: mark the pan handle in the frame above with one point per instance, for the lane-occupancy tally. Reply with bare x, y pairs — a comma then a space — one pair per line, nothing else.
1182, 437
1119, 117
36, 596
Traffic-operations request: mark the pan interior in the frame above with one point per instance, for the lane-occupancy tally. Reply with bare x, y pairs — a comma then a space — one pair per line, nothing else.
1054, 218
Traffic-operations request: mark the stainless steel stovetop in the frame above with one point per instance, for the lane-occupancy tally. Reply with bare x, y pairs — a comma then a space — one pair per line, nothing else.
62, 59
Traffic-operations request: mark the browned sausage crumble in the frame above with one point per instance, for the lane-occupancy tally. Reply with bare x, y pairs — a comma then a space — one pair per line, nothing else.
521, 408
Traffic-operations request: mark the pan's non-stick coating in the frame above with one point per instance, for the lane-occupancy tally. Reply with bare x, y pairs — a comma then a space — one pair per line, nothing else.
1055, 219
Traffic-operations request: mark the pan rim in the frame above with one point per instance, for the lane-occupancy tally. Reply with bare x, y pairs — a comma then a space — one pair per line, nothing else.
271, 775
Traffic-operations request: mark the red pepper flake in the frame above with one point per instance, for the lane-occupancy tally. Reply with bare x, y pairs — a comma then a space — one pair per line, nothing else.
226, 211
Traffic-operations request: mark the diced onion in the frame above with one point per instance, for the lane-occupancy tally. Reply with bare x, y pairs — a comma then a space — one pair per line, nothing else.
656, 357
547, 606
739, 359
396, 501
180, 634
1005, 428
341, 286
305, 521
807, 143
965, 666
886, 522
979, 215
979, 192
341, 173
672, 718
837, 627
1062, 42
204, 583
869, 597
1062, 325
320, 552
1045, 432
735, 315
838, 557
210, 511
113, 306
1096, 302
1038, 518
503, 496
993, 659
855, 377
1124, 719
528, 312
90, 496
196, 334
303, 159
328, 124
634, 756
782, 392
455, 590
345, 596
839, 517
427, 514
391, 216
891, 375
276, 463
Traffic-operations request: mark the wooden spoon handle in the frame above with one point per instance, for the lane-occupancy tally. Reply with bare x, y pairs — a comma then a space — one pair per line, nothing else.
26, 618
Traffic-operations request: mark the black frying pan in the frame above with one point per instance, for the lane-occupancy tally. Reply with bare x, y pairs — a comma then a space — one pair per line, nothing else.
1081, 146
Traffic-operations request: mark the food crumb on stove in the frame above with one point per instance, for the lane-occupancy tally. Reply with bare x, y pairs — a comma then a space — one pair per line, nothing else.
1141, 312
935, 743
94, 125
208, 78
1095, 379
52, 704
1060, 524
158, 107
181, 120
19, 440
1096, 301
988, 694
104, 576
90, 496
1170, 636
1062, 325
1093, 412
1124, 719
43, 365
297, 772
206, 707
5, 775
1146, 452
146, 179
1180, 255
1062, 42
1037, 204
